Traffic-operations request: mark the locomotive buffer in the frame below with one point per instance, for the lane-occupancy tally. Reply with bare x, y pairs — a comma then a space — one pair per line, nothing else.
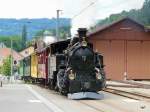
85, 95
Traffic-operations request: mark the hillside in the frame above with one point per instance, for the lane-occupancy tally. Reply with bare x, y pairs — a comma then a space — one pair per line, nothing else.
140, 15
9, 27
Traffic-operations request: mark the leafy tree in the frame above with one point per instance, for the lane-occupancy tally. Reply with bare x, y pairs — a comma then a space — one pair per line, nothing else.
29, 43
17, 42
39, 33
146, 12
64, 32
24, 37
141, 15
6, 68
1, 70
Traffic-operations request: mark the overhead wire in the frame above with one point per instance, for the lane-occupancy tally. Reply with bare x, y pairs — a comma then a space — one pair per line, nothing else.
91, 4
84, 9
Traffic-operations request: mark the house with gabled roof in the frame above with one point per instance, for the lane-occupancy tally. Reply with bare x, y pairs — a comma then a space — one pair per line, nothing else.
6, 52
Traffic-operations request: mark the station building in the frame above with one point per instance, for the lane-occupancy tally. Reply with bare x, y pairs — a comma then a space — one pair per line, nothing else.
125, 45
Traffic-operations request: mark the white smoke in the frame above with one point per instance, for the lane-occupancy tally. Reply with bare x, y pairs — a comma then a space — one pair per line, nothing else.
100, 10
85, 16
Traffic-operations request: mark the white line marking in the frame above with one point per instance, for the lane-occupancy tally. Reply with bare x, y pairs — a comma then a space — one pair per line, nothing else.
130, 100
49, 104
35, 101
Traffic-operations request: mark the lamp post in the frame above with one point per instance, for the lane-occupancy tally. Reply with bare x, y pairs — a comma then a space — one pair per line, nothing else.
11, 57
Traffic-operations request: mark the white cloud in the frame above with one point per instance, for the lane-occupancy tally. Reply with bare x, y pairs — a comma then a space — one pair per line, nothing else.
28, 8
47, 8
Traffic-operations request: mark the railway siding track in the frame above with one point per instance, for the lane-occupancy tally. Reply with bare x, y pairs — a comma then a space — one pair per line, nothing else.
102, 106
125, 86
131, 95
136, 84
91, 106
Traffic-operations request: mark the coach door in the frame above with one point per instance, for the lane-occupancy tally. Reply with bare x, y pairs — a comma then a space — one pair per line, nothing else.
52, 66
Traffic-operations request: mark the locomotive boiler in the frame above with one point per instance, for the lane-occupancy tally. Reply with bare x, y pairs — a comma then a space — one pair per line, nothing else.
79, 70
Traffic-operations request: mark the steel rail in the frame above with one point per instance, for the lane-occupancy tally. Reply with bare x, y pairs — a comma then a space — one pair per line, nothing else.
109, 104
93, 107
124, 86
138, 84
131, 95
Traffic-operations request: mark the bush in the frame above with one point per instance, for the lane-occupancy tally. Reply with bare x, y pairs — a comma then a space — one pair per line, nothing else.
1, 70
6, 68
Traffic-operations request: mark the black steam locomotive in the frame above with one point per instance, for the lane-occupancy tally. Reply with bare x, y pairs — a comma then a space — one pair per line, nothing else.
79, 68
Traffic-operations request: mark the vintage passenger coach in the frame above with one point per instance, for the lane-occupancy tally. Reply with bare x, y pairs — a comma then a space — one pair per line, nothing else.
34, 64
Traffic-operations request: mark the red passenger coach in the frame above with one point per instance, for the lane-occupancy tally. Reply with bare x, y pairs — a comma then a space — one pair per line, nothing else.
47, 52
43, 65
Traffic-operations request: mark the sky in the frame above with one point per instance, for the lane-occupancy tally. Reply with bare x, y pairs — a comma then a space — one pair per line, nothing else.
91, 9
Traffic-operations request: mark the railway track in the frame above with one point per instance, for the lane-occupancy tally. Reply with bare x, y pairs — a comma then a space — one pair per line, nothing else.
101, 105
131, 95
124, 86
95, 104
106, 106
91, 106
135, 84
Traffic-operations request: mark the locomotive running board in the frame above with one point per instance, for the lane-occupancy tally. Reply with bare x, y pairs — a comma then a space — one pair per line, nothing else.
85, 95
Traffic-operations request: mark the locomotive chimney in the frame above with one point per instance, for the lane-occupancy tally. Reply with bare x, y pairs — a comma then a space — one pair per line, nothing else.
82, 33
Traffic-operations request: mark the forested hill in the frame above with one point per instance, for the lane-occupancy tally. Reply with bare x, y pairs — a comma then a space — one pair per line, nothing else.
141, 15
9, 27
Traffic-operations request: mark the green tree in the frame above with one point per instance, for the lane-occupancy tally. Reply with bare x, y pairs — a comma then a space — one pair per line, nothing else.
39, 33
1, 70
17, 41
6, 68
146, 12
141, 15
29, 43
64, 32
24, 37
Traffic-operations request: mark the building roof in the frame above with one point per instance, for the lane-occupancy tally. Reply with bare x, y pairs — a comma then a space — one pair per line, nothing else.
27, 51
101, 28
5, 52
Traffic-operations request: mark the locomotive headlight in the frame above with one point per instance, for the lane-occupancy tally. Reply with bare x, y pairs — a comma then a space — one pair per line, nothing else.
98, 76
84, 43
71, 75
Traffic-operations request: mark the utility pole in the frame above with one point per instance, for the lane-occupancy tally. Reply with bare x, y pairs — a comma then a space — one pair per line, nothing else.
57, 24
